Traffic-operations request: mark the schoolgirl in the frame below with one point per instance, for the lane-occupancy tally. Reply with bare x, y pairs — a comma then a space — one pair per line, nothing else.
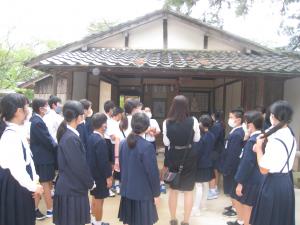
205, 171
18, 180
276, 200
140, 176
71, 203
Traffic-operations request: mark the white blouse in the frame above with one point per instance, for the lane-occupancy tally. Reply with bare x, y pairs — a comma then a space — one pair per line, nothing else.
12, 157
153, 124
275, 155
52, 121
113, 129
195, 127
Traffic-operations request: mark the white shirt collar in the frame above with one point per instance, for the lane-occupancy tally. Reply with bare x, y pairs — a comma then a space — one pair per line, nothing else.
38, 115
256, 132
96, 132
73, 130
13, 126
235, 129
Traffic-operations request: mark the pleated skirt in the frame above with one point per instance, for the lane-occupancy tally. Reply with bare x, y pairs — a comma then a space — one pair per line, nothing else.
133, 212
250, 194
16, 202
69, 210
276, 202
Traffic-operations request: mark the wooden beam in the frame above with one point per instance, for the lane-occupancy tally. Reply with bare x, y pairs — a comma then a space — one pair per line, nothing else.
126, 40
205, 42
54, 84
165, 33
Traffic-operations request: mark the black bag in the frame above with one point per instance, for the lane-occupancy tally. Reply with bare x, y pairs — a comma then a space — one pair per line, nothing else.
174, 177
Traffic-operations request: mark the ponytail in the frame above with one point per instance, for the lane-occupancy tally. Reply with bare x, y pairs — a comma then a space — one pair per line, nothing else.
61, 130
131, 140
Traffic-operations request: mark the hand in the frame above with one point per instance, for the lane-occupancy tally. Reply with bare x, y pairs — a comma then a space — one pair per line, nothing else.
38, 192
238, 190
117, 166
156, 201
259, 143
109, 182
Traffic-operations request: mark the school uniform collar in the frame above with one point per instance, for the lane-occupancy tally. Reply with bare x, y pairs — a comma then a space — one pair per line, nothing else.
256, 132
96, 132
13, 126
235, 129
38, 115
73, 130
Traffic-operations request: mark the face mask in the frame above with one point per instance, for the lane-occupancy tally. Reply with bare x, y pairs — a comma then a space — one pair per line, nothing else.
272, 120
149, 114
231, 123
58, 109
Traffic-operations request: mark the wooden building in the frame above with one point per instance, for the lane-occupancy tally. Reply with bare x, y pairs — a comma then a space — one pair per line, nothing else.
162, 54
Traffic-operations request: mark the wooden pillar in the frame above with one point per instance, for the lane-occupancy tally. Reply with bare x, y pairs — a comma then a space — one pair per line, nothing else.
165, 33
260, 90
54, 84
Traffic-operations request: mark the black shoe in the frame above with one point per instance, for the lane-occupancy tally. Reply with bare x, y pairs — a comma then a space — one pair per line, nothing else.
233, 223
39, 215
229, 213
173, 222
183, 223
228, 208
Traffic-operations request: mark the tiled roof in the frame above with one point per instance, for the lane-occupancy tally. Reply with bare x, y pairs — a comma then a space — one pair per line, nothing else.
178, 59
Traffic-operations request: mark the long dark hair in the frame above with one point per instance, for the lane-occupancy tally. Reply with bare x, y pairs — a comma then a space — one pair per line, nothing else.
179, 109
71, 111
283, 112
8, 107
139, 123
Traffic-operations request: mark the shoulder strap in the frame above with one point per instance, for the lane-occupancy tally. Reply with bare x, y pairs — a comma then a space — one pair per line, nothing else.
287, 152
189, 147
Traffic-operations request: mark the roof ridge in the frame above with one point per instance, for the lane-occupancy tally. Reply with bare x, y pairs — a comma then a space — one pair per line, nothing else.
118, 28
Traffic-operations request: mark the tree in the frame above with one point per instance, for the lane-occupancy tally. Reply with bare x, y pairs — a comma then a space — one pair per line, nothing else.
12, 58
241, 8
96, 27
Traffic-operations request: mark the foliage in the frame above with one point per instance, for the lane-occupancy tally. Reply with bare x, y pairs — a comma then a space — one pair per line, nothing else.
96, 27
12, 58
242, 8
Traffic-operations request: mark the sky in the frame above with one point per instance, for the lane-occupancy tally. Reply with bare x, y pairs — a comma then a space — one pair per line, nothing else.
67, 20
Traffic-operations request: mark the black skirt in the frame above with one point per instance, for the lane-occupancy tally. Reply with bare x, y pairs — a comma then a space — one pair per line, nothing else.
46, 172
276, 202
188, 175
69, 210
100, 191
16, 202
133, 212
250, 194
204, 175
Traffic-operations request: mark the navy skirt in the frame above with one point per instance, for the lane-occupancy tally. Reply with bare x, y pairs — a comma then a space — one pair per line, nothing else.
69, 210
250, 194
100, 191
228, 184
204, 175
46, 172
133, 212
16, 202
276, 202
111, 148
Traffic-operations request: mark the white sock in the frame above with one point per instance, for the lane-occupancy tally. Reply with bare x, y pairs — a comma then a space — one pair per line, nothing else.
233, 209
198, 197
205, 187
117, 182
240, 222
